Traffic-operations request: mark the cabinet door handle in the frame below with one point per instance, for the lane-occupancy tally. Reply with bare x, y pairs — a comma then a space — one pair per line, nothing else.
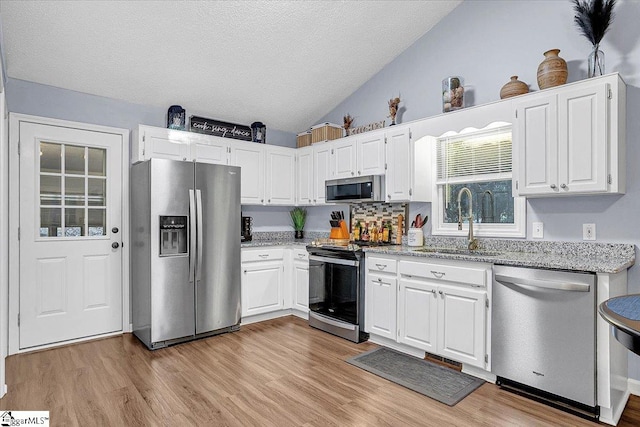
245, 272
553, 186
563, 186
358, 172
379, 279
433, 291
440, 292
438, 274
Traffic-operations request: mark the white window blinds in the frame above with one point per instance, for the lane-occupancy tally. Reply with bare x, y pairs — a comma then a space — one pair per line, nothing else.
479, 156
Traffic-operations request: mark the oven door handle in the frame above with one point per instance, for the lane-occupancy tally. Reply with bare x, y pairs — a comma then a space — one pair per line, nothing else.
332, 322
334, 260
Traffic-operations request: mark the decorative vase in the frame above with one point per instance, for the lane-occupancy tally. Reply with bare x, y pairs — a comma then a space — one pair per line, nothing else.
596, 62
299, 234
513, 88
452, 93
552, 71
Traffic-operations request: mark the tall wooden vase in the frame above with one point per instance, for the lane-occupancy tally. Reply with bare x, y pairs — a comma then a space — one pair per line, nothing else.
552, 71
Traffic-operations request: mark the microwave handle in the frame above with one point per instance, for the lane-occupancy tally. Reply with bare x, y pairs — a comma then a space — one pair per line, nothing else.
329, 260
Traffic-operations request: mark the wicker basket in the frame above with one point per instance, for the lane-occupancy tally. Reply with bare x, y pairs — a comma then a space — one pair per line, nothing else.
304, 139
326, 132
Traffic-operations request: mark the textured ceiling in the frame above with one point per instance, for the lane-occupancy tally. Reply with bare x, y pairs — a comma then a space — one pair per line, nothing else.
285, 63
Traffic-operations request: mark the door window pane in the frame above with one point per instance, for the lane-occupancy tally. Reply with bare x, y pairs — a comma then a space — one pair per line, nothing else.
97, 222
75, 179
97, 161
74, 222
50, 190
97, 192
74, 191
50, 222
73, 160
50, 157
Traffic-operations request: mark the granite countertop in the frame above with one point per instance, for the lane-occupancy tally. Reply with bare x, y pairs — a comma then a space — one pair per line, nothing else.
575, 256
276, 242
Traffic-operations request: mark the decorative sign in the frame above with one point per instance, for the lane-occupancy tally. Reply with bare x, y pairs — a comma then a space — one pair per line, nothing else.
218, 128
366, 128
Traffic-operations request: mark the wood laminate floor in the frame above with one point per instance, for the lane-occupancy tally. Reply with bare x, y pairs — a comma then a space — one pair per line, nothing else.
275, 373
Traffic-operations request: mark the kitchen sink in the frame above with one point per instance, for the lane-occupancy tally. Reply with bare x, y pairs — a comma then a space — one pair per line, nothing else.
459, 251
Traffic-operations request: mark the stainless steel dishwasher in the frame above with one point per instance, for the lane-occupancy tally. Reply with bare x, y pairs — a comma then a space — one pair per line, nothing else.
543, 336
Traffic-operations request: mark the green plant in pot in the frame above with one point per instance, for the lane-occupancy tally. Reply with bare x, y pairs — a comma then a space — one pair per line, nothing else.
298, 218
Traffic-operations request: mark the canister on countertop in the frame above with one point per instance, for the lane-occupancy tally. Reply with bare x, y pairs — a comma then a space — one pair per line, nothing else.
415, 237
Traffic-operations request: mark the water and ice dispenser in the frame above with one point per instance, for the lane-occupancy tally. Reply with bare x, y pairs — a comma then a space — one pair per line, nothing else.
173, 235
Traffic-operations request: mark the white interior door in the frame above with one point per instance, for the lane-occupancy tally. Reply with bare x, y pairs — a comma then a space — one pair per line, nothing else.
70, 234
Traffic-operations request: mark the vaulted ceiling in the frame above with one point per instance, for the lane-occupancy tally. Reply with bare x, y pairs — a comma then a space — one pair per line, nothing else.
285, 63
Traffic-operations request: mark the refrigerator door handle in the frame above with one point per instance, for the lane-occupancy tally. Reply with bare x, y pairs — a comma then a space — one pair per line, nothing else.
199, 231
192, 236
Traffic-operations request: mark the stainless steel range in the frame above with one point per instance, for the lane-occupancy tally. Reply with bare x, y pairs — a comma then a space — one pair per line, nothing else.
336, 290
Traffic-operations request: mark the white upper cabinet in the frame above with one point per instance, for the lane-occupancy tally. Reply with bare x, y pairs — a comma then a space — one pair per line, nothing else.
209, 149
321, 171
281, 170
370, 154
304, 176
343, 155
408, 173
250, 157
571, 140
358, 155
160, 143
153, 142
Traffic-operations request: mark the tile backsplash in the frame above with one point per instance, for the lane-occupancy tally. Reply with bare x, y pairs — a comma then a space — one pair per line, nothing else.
380, 213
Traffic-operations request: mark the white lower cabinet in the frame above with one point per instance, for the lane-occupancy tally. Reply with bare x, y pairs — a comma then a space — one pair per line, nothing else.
262, 280
380, 305
300, 280
275, 279
418, 315
461, 324
440, 308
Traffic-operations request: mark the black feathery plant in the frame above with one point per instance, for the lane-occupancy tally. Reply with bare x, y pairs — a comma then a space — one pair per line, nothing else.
593, 17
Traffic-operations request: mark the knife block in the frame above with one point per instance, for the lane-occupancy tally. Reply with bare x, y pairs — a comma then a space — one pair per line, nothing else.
341, 232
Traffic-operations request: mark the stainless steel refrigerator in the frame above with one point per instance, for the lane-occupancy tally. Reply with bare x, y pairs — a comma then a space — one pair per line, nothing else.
185, 255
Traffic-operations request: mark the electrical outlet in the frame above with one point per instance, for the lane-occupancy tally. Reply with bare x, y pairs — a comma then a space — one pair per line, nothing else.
588, 232
538, 230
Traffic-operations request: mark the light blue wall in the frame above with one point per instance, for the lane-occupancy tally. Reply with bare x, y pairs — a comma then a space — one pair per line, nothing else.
486, 42
48, 101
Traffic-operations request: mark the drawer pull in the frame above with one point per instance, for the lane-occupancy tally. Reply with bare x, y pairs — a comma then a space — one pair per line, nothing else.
263, 255
438, 274
301, 255
381, 266
379, 279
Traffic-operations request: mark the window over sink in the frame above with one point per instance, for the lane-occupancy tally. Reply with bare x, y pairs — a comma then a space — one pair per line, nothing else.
481, 161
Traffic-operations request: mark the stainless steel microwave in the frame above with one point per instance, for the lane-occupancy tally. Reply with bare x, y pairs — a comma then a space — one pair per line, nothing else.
359, 189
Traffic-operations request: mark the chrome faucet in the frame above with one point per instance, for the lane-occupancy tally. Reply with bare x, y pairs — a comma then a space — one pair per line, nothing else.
473, 243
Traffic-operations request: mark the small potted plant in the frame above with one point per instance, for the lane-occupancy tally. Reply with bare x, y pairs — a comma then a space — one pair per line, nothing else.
298, 218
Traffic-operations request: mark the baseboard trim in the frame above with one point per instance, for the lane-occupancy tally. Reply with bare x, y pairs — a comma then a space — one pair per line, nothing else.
634, 386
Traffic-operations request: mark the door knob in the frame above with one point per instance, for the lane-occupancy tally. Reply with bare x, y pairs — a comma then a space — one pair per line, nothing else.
115, 245
115, 230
